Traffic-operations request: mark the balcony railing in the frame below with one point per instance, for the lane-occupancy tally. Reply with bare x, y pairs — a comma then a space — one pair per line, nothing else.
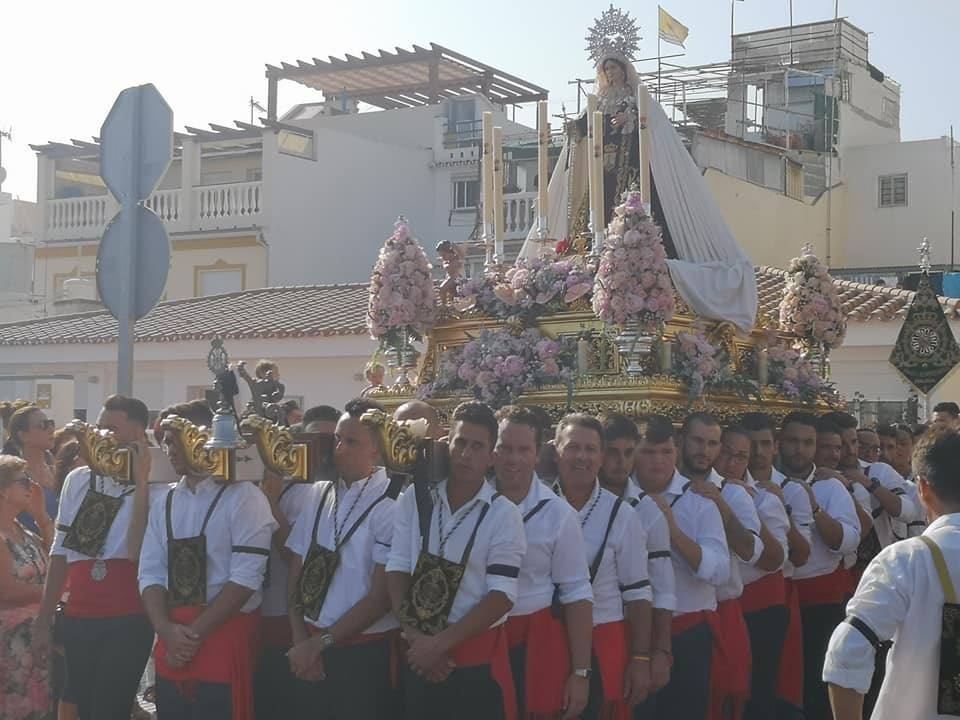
207, 207
519, 209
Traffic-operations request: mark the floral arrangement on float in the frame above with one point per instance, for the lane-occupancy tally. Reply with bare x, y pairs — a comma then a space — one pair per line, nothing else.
632, 290
498, 366
811, 308
402, 307
795, 377
707, 367
529, 289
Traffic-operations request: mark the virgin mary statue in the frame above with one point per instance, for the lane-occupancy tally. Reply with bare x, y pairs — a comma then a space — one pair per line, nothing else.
708, 268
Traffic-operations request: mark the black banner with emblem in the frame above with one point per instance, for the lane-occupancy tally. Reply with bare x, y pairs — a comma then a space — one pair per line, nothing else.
925, 351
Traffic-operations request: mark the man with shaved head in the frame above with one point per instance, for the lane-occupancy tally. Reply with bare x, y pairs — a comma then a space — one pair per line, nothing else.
419, 410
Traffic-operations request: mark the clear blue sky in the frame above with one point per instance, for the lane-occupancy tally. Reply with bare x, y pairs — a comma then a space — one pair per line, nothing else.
62, 64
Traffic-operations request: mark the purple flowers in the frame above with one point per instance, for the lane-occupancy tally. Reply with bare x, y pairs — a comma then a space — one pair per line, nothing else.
811, 308
632, 283
403, 298
498, 366
795, 376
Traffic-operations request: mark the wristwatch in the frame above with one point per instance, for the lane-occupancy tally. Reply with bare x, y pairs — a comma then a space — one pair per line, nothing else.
326, 640
873, 486
583, 673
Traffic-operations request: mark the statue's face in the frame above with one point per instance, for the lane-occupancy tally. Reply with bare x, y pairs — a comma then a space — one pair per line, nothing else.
614, 72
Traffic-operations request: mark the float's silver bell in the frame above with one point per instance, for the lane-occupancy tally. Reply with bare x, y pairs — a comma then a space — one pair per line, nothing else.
224, 432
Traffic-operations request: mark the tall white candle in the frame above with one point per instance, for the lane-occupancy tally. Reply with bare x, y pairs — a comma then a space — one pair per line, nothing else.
644, 112
597, 192
543, 167
487, 177
591, 165
498, 215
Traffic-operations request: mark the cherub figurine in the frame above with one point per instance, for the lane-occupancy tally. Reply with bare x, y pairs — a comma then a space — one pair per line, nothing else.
451, 256
374, 372
266, 390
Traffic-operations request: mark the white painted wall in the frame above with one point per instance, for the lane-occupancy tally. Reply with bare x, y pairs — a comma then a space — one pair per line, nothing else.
326, 219
889, 236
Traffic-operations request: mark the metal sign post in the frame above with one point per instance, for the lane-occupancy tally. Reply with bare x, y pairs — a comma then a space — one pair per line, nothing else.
134, 254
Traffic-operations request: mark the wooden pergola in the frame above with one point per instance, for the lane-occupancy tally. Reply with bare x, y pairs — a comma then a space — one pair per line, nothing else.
403, 79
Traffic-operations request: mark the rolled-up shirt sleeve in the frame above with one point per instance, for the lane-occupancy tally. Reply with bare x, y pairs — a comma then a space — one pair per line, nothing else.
299, 540
508, 543
70, 499
773, 515
894, 482
839, 504
631, 557
252, 527
382, 522
401, 557
659, 566
742, 505
881, 603
152, 569
568, 564
714, 551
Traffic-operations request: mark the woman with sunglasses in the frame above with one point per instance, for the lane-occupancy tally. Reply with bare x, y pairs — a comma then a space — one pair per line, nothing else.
24, 679
32, 438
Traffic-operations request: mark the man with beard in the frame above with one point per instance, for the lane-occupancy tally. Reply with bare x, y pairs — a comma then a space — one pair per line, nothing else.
822, 583
550, 626
452, 577
698, 552
615, 547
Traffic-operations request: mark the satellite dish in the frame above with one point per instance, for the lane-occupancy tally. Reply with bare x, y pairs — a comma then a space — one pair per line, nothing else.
3, 175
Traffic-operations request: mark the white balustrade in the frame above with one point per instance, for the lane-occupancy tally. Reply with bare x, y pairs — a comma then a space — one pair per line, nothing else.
230, 205
518, 216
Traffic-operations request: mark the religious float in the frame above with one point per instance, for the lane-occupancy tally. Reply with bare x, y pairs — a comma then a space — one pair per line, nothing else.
630, 294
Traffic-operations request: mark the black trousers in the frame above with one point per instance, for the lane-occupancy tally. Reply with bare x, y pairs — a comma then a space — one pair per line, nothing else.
274, 686
687, 695
206, 701
357, 686
819, 622
767, 628
469, 693
105, 658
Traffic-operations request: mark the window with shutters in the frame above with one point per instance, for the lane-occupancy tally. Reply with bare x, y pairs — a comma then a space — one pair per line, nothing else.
893, 190
466, 194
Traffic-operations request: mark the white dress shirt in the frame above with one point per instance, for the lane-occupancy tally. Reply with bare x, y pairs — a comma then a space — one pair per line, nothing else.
494, 563
622, 574
241, 519
659, 566
799, 511
555, 554
740, 502
890, 479
293, 497
916, 526
900, 598
75, 488
834, 499
369, 546
773, 515
698, 519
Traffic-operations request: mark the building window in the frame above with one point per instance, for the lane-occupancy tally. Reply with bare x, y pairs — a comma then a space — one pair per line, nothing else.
298, 144
254, 174
893, 190
466, 194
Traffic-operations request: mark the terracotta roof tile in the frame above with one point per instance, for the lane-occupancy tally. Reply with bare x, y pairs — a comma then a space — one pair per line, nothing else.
325, 310
277, 312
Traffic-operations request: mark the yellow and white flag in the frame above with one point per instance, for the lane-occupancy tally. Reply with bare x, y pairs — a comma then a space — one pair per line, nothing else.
671, 29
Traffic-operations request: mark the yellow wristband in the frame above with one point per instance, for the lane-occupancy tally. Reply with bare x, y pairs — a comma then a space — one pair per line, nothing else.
641, 658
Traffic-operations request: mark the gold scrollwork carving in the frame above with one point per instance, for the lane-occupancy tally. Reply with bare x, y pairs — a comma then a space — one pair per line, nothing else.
102, 451
398, 442
192, 439
280, 453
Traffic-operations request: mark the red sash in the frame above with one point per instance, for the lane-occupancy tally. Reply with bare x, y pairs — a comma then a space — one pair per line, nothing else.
829, 589
116, 595
226, 656
610, 647
275, 631
790, 678
769, 591
730, 660
547, 665
686, 621
393, 641
490, 648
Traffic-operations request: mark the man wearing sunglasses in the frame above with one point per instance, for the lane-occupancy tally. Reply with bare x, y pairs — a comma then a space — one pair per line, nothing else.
96, 548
